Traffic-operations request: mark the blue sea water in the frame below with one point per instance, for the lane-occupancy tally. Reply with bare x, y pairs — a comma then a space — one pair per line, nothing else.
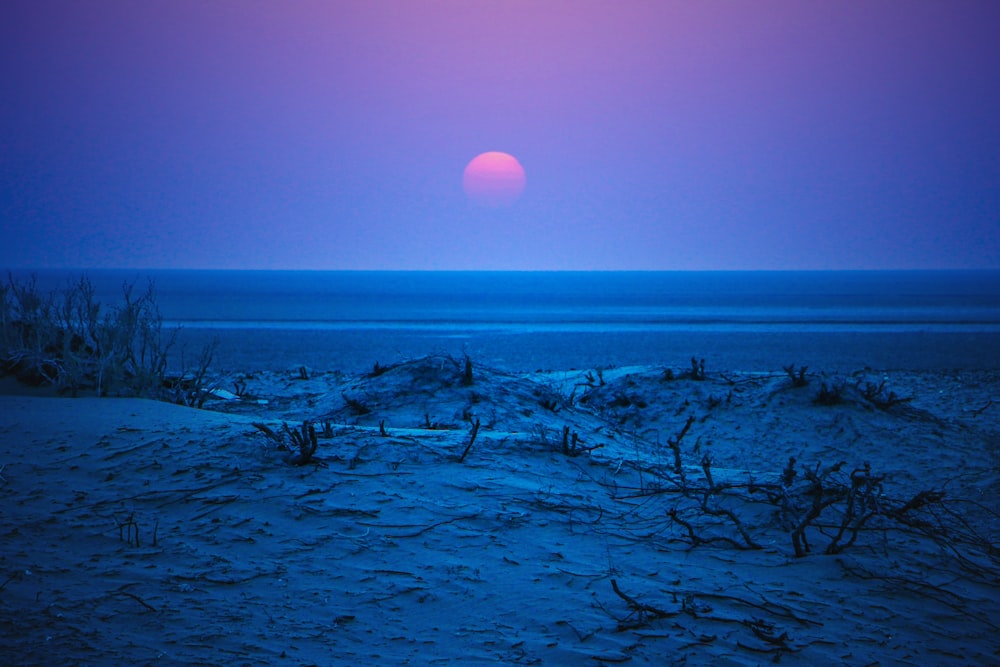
835, 321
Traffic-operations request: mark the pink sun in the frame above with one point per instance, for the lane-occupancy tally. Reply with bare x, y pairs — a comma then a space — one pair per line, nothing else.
494, 179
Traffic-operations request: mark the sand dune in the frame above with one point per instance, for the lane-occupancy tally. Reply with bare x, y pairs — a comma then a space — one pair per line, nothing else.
136, 532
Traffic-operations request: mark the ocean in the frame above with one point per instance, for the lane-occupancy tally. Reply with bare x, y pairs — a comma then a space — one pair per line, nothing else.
837, 322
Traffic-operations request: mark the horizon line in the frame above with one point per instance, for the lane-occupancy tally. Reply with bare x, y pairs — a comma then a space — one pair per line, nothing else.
29, 269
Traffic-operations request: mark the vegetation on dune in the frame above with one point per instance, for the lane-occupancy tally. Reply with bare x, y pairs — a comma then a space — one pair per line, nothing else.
69, 340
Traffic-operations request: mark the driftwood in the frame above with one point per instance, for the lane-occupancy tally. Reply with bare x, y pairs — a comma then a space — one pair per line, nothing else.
472, 439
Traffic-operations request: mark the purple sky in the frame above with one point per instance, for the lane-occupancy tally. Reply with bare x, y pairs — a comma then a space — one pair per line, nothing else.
655, 134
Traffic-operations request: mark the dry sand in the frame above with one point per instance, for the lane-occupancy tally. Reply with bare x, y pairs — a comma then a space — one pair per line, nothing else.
136, 532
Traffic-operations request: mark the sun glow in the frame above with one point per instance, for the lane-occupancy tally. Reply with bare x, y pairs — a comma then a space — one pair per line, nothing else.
494, 179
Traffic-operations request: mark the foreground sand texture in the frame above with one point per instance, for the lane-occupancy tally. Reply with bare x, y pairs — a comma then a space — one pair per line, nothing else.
136, 532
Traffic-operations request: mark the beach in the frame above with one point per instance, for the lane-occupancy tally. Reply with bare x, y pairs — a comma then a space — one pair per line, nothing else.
453, 512
569, 334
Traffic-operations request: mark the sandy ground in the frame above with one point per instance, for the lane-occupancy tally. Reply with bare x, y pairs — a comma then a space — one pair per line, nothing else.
136, 532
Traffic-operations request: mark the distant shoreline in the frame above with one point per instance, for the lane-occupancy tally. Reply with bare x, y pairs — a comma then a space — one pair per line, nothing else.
832, 321
148, 270
354, 351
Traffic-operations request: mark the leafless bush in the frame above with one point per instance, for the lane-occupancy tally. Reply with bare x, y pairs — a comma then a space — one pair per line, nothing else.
193, 389
573, 445
69, 340
302, 442
594, 381
675, 447
859, 502
29, 334
710, 500
549, 398
877, 395
66, 339
798, 378
832, 394
810, 503
357, 407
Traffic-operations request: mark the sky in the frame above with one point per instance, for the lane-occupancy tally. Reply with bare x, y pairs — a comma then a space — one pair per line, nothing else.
655, 134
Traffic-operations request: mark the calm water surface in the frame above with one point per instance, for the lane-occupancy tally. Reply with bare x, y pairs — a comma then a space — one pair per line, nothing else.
837, 321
